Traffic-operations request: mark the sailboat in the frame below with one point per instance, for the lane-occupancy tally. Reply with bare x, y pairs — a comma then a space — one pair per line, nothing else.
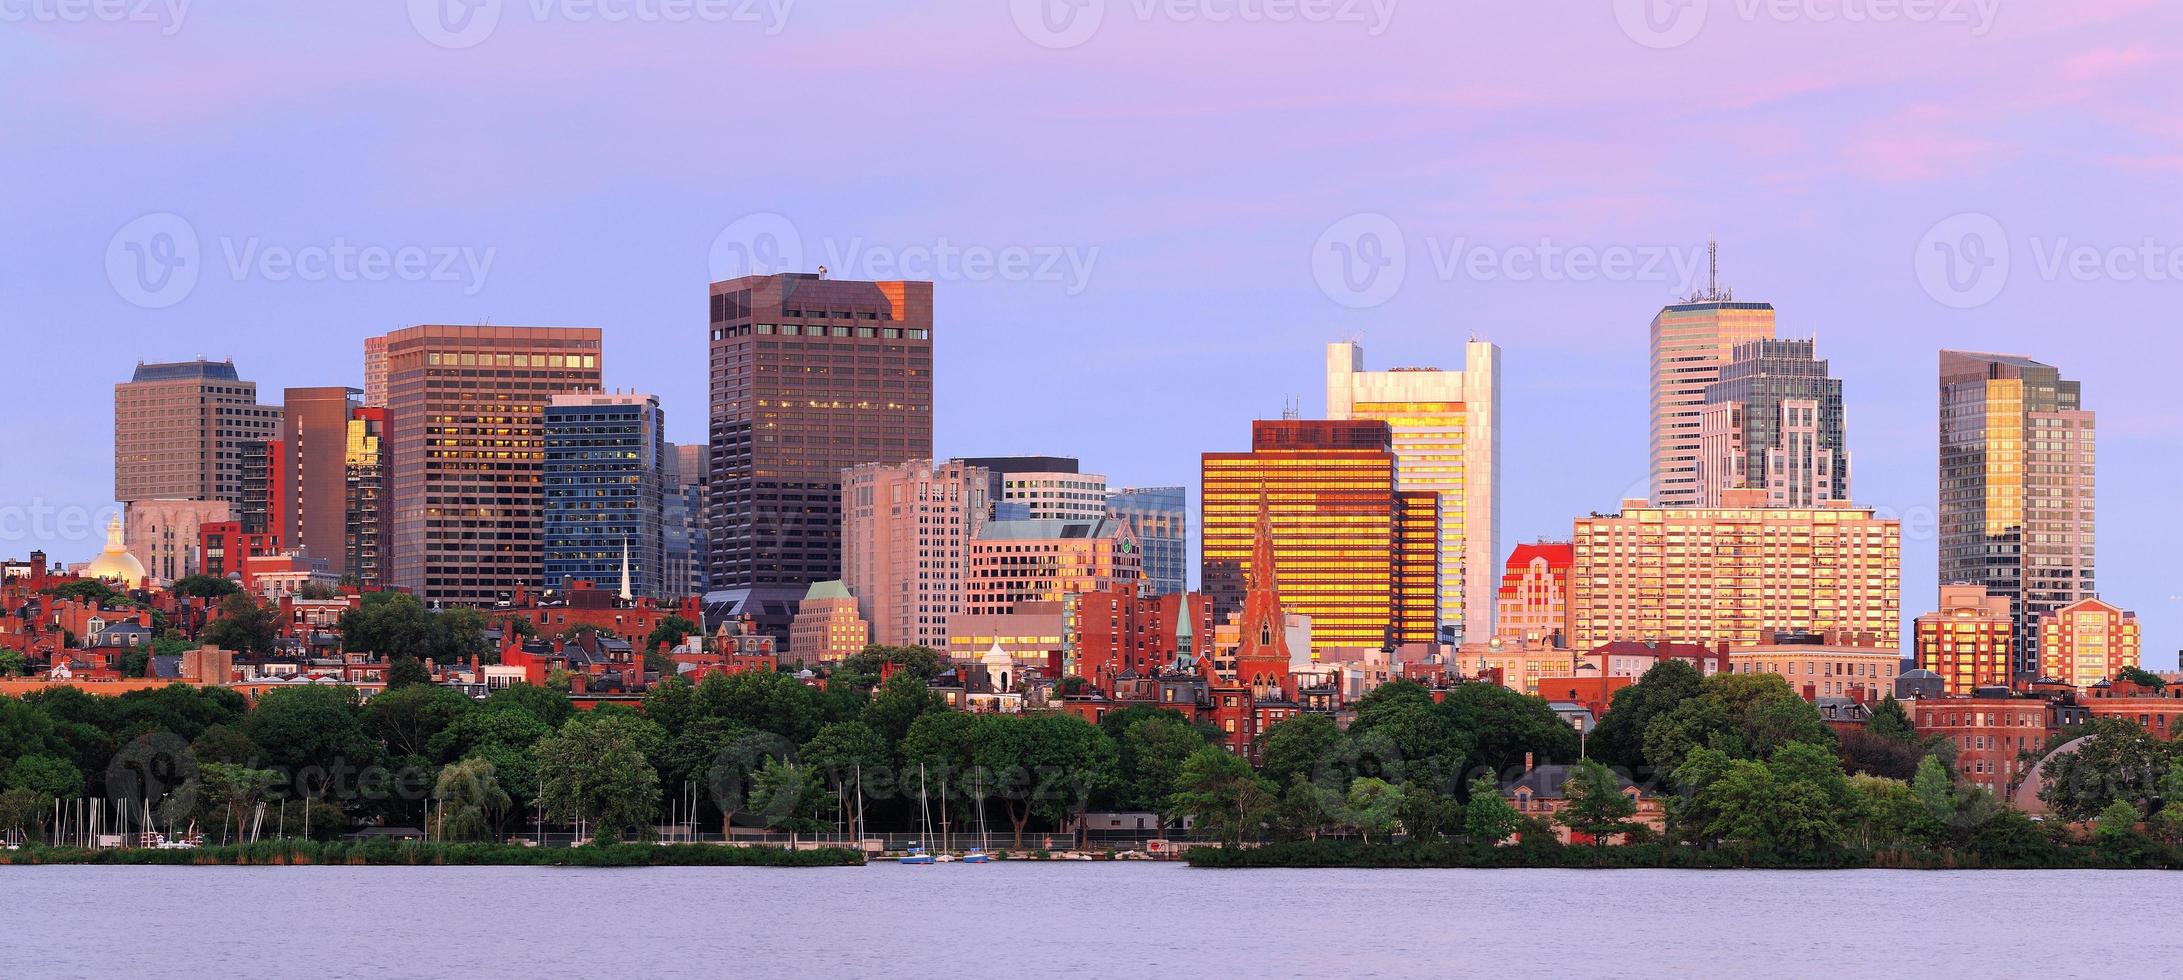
977, 854
917, 854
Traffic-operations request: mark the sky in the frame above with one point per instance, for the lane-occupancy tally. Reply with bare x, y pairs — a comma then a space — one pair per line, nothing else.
1145, 218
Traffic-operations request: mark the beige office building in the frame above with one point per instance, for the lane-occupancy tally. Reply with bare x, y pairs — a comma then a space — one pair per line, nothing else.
1691, 344
906, 531
180, 430
1735, 574
1446, 428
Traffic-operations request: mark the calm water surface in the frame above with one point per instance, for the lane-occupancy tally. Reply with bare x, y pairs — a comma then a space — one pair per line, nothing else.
1123, 921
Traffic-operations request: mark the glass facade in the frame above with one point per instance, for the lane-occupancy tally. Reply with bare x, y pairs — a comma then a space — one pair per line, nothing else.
1346, 542
604, 488
1691, 343
1161, 518
2017, 487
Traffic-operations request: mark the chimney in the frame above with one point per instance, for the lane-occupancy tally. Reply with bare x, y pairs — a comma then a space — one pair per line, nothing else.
1527, 763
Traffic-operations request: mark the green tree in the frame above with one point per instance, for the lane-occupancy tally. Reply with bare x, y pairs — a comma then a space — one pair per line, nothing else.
1150, 757
407, 672
245, 625
23, 813
470, 800
1489, 818
1890, 721
670, 633
47, 775
790, 797
1505, 727
2141, 676
315, 734
13, 664
228, 797
1401, 735
2118, 761
1298, 746
1620, 738
898, 704
841, 752
220, 743
91, 590
205, 587
406, 719
1373, 806
546, 704
860, 671
1595, 804
2119, 820
1221, 795
766, 700
1304, 809
598, 773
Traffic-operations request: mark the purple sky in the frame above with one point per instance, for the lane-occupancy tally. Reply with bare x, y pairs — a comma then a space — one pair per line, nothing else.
1152, 194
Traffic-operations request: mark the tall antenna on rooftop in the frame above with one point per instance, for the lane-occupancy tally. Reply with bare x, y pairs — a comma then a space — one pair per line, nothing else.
1292, 408
1713, 267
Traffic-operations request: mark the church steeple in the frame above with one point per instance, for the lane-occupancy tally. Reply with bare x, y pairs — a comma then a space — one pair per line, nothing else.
1262, 655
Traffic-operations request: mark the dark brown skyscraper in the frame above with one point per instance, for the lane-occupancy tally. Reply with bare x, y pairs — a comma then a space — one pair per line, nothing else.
809, 376
466, 427
315, 425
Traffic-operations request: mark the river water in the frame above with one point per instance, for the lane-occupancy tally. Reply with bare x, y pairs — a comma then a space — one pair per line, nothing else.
1115, 920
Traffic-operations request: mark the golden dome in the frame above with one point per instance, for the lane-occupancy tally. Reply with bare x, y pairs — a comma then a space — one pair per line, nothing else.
115, 564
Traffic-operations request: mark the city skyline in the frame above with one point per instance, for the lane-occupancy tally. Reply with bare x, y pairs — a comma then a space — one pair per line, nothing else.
1823, 217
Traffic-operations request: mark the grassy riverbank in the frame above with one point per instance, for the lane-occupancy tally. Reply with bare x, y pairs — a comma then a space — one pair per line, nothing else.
1451, 854
381, 853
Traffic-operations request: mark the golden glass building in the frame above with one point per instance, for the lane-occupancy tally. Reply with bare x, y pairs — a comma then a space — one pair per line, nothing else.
2017, 460
1446, 431
1355, 554
1739, 574
1691, 343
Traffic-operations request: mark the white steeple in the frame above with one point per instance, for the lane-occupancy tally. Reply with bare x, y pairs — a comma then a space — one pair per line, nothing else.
627, 595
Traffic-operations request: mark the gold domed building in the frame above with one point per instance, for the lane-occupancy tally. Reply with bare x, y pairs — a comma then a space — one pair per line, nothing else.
116, 564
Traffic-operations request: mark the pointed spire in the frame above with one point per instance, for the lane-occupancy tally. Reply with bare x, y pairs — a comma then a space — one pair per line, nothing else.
627, 594
1263, 575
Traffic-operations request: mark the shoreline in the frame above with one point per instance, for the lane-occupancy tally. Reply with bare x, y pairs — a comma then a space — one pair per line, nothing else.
1350, 855
418, 854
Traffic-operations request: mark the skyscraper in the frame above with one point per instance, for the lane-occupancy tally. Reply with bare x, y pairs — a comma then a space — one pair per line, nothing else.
1356, 553
466, 428
682, 520
604, 483
1017, 483
906, 534
810, 376
1016, 562
1447, 441
1691, 343
375, 372
1160, 517
1774, 422
2017, 463
180, 429
315, 429
367, 519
